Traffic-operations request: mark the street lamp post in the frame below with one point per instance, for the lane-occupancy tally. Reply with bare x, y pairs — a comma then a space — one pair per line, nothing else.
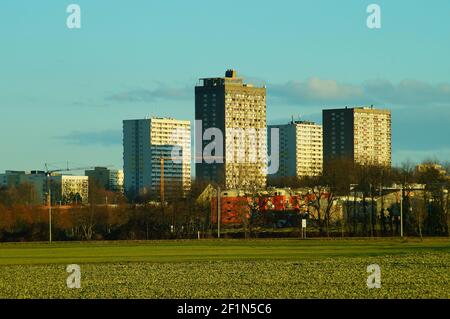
49, 209
218, 212
401, 213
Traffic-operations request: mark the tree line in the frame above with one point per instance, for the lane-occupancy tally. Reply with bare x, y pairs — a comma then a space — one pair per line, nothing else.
108, 216
423, 194
112, 216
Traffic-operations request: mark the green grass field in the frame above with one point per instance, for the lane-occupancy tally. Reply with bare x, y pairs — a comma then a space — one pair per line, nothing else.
278, 268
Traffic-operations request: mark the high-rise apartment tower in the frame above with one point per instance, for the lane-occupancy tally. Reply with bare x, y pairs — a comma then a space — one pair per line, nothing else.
362, 134
238, 110
300, 149
149, 143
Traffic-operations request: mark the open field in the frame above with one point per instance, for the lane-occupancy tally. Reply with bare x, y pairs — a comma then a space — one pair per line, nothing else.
282, 268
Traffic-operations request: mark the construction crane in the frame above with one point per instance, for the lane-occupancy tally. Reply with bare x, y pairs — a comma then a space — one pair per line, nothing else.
49, 173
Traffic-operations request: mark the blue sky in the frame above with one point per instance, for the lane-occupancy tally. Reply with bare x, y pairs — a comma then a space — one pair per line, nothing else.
64, 93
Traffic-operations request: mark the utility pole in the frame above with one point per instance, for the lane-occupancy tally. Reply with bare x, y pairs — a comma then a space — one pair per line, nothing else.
162, 181
49, 173
49, 209
162, 185
371, 211
401, 212
402, 192
218, 212
162, 189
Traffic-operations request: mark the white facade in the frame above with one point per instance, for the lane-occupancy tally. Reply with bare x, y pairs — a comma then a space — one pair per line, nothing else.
360, 134
238, 110
309, 150
109, 179
245, 136
66, 189
372, 136
116, 180
148, 141
300, 149
69, 189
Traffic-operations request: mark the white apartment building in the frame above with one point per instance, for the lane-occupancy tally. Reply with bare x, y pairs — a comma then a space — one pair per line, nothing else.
69, 189
300, 149
372, 136
148, 143
116, 180
65, 189
109, 179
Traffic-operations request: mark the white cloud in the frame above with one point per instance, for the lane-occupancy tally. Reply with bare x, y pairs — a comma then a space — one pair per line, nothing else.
408, 92
326, 92
104, 138
151, 95
316, 90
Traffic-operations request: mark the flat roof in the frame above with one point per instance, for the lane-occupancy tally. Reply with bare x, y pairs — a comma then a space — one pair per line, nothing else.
367, 109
